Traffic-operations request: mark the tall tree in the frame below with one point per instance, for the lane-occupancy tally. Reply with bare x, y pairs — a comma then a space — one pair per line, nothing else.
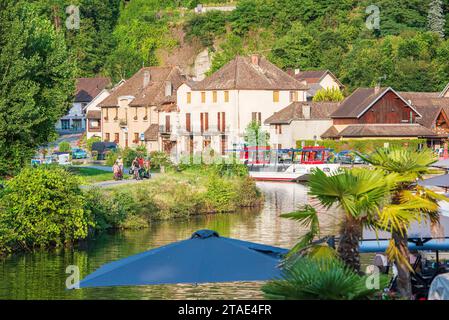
435, 18
36, 82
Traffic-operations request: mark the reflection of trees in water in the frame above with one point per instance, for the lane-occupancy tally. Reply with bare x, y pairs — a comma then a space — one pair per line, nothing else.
42, 275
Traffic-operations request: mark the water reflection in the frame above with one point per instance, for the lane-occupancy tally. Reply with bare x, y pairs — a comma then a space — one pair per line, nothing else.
42, 275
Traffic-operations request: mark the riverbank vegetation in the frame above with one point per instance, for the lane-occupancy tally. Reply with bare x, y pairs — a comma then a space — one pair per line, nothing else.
45, 206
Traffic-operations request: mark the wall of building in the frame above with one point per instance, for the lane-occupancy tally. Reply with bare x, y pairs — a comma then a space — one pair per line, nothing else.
93, 106
329, 82
75, 114
389, 109
238, 113
297, 131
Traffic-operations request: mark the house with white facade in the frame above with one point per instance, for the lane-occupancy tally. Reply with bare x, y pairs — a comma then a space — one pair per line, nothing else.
300, 121
215, 112
86, 90
316, 80
93, 112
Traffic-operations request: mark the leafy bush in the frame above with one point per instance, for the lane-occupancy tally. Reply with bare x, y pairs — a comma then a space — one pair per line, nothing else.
64, 146
42, 207
328, 95
363, 145
91, 141
320, 279
111, 209
159, 159
111, 157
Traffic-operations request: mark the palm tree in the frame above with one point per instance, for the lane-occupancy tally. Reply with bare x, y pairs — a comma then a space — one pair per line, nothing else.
408, 202
358, 193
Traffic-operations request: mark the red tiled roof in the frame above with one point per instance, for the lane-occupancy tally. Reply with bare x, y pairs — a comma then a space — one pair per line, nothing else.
318, 111
241, 74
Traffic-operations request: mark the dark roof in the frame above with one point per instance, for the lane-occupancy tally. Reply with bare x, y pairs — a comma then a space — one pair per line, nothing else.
361, 100
93, 115
385, 130
313, 76
151, 134
240, 74
88, 88
318, 111
428, 104
332, 132
153, 94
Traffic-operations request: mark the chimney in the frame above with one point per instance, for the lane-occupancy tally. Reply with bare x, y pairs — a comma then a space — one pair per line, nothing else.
146, 78
297, 71
306, 111
377, 89
255, 59
168, 88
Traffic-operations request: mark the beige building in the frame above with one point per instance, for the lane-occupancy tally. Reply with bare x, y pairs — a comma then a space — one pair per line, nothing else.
316, 80
130, 114
300, 121
215, 112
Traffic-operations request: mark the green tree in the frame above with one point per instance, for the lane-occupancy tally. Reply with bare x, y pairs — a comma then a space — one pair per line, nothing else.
42, 207
435, 18
36, 85
64, 147
408, 203
328, 95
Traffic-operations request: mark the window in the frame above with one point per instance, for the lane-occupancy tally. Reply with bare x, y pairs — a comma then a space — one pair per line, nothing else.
278, 128
116, 114
221, 121
65, 124
135, 114
146, 114
94, 124
189, 97
276, 96
167, 124
223, 144
106, 117
214, 96
117, 138
204, 120
77, 124
107, 137
293, 96
188, 123
226, 96
203, 97
136, 137
257, 117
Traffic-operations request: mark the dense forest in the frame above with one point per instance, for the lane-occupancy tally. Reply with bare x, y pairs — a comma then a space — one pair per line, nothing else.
408, 51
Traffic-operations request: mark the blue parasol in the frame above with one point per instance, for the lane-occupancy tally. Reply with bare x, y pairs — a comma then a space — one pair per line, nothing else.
205, 257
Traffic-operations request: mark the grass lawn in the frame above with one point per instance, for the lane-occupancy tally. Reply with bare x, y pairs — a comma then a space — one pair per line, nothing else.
91, 175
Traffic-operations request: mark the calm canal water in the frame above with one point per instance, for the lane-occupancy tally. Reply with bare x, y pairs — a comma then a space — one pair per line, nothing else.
42, 275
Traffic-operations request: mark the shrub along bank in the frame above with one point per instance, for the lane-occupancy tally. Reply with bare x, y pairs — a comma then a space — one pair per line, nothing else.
45, 207
363, 145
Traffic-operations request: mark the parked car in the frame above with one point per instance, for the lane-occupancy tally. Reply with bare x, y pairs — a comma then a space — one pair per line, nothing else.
79, 154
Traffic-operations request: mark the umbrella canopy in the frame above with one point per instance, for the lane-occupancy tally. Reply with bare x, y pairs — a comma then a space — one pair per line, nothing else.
205, 257
441, 164
438, 181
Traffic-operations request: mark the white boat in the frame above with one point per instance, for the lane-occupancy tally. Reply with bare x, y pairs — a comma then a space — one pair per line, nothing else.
299, 169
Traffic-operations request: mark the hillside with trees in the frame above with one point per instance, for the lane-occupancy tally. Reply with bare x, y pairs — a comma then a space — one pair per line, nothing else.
409, 50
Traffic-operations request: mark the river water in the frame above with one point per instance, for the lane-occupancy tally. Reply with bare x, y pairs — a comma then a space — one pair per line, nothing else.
41, 275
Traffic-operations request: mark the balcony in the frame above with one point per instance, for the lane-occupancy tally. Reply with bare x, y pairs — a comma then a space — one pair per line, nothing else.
211, 131
165, 129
